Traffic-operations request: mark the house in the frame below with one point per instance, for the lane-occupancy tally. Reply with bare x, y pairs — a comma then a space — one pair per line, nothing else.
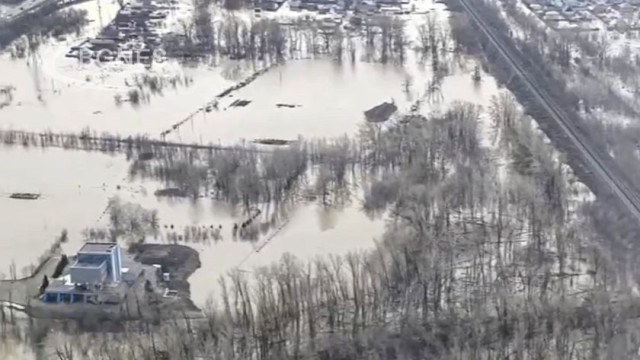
600, 9
92, 278
393, 3
270, 5
318, 3
366, 6
553, 16
536, 7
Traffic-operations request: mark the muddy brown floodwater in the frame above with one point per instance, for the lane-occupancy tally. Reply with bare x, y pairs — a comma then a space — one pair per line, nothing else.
74, 187
56, 93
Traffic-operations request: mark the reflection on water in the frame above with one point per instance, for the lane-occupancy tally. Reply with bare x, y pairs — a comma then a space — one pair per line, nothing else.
76, 185
64, 105
330, 97
55, 93
303, 229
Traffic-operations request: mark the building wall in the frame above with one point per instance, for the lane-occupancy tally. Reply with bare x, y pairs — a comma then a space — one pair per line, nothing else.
68, 297
116, 259
88, 275
97, 258
113, 260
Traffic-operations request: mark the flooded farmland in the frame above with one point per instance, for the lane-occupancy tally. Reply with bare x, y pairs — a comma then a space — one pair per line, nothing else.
333, 108
73, 188
303, 98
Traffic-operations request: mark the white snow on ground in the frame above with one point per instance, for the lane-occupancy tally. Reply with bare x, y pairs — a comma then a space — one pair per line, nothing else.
618, 44
609, 117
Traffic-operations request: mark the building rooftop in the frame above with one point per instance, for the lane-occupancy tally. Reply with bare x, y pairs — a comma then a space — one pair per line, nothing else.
93, 247
60, 287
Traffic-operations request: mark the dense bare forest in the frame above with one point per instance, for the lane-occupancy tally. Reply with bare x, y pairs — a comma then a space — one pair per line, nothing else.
35, 29
488, 254
491, 250
587, 88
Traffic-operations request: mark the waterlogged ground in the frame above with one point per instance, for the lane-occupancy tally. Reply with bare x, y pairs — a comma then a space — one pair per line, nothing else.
74, 188
56, 93
306, 229
77, 185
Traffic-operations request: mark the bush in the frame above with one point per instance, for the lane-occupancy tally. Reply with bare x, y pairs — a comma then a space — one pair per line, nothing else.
64, 261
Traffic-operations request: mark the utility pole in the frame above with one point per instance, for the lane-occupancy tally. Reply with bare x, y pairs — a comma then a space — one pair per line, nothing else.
100, 15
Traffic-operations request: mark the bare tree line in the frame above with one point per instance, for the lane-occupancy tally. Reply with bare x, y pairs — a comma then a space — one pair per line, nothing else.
472, 265
216, 32
252, 178
613, 141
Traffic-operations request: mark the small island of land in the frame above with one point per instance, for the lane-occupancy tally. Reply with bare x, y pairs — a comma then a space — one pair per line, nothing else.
154, 286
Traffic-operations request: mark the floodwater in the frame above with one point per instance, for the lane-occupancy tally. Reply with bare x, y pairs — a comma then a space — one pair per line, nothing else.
53, 92
330, 100
74, 188
58, 94
305, 229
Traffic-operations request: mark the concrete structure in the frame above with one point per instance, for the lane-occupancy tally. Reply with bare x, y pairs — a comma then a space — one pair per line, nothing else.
94, 277
95, 255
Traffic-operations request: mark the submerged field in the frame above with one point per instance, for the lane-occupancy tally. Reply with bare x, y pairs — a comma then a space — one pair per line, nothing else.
455, 211
54, 93
73, 187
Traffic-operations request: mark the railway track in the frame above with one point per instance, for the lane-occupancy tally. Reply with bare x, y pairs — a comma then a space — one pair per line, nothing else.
592, 159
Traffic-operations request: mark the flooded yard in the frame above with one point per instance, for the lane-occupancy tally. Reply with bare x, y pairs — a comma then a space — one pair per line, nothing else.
308, 98
457, 174
74, 189
330, 99
75, 97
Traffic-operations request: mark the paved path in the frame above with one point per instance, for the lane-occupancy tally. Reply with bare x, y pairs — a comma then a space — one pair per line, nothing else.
20, 291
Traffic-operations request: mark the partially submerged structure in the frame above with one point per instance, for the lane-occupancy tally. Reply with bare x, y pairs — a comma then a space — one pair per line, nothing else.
132, 36
95, 277
25, 196
380, 113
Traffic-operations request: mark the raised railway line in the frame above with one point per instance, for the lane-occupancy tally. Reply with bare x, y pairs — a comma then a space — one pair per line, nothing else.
592, 159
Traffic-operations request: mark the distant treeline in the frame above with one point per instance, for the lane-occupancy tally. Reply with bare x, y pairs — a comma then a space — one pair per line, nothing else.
45, 22
89, 140
214, 33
